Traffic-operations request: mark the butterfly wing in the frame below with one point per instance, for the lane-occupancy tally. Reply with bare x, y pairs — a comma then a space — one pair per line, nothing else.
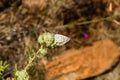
60, 40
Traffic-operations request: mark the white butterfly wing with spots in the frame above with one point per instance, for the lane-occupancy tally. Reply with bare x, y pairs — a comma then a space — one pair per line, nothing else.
60, 40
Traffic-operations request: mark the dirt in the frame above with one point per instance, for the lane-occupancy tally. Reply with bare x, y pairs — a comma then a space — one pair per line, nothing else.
21, 24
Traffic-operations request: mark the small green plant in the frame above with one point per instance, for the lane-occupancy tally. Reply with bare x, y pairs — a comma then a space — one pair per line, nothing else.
21, 75
3, 66
46, 40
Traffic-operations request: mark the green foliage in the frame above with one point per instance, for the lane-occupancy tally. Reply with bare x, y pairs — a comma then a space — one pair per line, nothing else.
3, 66
43, 51
21, 75
47, 39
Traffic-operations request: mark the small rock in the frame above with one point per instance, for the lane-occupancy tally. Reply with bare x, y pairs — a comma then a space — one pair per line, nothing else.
90, 61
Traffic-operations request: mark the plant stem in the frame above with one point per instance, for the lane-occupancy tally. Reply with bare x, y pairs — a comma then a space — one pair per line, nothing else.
32, 59
91, 21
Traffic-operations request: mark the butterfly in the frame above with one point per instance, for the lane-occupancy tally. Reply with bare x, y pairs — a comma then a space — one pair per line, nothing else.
60, 40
